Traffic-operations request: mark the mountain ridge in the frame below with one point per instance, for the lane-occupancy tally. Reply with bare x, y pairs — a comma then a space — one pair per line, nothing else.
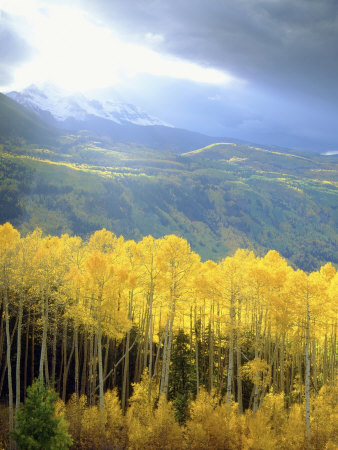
62, 106
74, 113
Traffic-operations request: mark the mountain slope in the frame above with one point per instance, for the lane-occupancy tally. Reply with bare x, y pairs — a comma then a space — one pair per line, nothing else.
219, 197
18, 121
83, 184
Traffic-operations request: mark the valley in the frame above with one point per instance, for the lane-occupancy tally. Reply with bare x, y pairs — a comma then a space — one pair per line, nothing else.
220, 198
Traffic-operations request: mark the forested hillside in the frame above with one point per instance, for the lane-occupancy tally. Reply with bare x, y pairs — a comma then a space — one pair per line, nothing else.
145, 322
17, 121
220, 198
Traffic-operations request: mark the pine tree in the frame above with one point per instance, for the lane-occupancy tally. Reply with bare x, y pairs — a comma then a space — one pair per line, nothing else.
182, 377
37, 425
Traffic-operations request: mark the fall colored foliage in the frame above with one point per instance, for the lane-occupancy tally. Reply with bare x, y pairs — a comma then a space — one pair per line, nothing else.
148, 347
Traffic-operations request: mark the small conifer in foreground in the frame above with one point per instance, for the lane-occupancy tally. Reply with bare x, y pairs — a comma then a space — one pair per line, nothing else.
37, 425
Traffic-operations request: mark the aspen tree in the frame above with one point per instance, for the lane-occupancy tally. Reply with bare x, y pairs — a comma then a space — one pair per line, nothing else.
178, 263
262, 283
309, 295
9, 239
49, 270
25, 252
132, 262
148, 250
75, 253
231, 276
206, 284
103, 304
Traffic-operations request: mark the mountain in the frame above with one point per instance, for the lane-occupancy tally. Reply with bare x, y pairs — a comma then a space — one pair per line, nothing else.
118, 121
18, 121
219, 196
50, 99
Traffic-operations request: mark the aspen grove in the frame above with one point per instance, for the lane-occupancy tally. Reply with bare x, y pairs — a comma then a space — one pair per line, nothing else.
149, 348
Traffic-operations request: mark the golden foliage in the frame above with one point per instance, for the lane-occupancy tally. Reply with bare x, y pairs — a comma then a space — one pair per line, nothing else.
214, 425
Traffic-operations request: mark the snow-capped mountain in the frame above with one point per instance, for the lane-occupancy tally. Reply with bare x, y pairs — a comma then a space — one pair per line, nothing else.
115, 120
62, 106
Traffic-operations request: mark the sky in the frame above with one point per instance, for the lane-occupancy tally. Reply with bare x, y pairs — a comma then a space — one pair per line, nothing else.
265, 71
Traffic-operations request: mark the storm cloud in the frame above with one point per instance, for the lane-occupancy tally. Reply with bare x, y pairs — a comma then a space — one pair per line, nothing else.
283, 52
14, 50
284, 45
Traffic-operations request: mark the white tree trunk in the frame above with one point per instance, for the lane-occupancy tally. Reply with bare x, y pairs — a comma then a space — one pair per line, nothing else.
44, 336
231, 354
307, 372
9, 370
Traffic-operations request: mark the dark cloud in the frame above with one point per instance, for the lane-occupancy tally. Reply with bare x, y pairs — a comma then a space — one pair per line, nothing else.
284, 45
231, 112
13, 49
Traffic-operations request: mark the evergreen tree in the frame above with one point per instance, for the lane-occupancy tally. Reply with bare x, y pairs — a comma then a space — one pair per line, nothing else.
182, 376
37, 425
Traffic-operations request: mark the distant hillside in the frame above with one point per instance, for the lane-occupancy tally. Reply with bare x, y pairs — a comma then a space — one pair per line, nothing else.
219, 198
18, 121
297, 162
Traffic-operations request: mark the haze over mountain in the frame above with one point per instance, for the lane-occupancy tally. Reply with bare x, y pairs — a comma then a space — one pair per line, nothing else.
62, 106
121, 122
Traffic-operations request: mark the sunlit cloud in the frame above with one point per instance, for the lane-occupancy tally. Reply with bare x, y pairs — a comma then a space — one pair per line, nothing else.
77, 54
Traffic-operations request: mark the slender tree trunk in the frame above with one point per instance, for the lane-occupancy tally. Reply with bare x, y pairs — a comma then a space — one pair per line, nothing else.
314, 364
300, 373
18, 355
146, 342
239, 362
256, 388
106, 355
196, 357
64, 346
307, 373
44, 336
325, 361
9, 370
54, 350
167, 361
66, 372
76, 343
125, 375
84, 366
211, 358
158, 353
231, 352
91, 370
169, 345
164, 356
113, 380
99, 351
333, 353
46, 366
33, 348
5, 366
26, 354
150, 332
77, 364
2, 334
124, 396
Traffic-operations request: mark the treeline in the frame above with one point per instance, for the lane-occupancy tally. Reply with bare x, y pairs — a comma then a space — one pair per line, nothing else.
153, 322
